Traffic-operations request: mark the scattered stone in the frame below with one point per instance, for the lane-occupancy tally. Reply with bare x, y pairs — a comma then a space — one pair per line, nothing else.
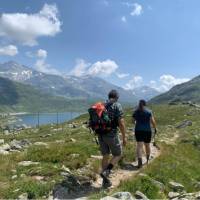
184, 124
14, 177
108, 198
19, 144
5, 147
96, 157
38, 178
45, 136
140, 195
3, 152
72, 140
1, 141
66, 169
123, 196
143, 175
40, 144
75, 155
27, 163
72, 187
23, 196
176, 186
6, 132
160, 185
173, 195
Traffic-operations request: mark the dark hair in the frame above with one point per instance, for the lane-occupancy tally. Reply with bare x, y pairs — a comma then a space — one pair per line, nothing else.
141, 105
113, 94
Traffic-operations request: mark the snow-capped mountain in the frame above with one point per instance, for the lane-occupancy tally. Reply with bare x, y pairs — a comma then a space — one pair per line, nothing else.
69, 86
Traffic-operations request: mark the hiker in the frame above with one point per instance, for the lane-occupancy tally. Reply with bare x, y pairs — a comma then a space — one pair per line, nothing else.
143, 118
109, 138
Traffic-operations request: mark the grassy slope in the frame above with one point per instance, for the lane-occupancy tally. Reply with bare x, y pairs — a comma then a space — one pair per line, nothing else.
18, 97
179, 163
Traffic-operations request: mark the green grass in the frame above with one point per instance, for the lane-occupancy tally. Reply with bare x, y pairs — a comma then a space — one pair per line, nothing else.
178, 162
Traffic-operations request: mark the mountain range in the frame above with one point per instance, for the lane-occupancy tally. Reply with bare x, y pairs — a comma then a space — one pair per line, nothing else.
188, 91
85, 87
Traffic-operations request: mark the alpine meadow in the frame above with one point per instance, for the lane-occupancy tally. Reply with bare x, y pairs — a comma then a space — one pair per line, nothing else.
99, 99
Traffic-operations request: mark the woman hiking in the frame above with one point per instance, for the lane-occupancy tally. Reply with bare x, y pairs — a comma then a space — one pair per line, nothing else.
143, 118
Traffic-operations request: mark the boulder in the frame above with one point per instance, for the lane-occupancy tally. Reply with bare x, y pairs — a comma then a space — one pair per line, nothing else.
176, 186
123, 196
72, 140
65, 169
140, 195
6, 132
160, 185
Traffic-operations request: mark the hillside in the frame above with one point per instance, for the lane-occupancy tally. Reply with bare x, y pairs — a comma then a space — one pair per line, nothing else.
53, 161
189, 91
18, 97
86, 87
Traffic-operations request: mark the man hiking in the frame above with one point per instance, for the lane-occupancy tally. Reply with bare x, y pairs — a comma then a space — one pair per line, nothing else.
108, 136
143, 118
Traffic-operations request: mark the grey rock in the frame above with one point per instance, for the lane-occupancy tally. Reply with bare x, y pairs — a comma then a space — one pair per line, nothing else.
19, 144
65, 169
108, 198
160, 185
140, 195
176, 186
173, 195
27, 163
184, 124
123, 196
1, 141
23, 196
5, 147
14, 177
40, 144
3, 152
6, 132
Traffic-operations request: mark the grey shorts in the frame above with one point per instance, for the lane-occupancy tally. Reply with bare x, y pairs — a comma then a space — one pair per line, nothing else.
110, 144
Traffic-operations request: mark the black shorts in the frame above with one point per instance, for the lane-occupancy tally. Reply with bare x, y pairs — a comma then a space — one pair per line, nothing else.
143, 136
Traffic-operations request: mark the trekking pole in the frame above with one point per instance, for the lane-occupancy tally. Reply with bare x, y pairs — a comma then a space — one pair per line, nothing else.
154, 140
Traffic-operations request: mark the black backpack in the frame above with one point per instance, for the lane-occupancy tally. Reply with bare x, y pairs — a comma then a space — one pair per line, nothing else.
99, 120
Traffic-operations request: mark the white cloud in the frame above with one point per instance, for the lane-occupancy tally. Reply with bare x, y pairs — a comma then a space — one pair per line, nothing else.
9, 50
166, 82
104, 68
41, 64
26, 28
122, 75
135, 82
80, 68
137, 9
100, 68
124, 19
41, 53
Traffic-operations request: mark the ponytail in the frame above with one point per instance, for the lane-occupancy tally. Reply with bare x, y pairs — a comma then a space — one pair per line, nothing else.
142, 104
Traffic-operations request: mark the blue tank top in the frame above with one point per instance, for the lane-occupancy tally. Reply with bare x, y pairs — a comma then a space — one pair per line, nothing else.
143, 120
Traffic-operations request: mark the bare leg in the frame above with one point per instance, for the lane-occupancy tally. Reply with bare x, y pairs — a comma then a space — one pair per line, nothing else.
105, 161
115, 160
139, 149
147, 148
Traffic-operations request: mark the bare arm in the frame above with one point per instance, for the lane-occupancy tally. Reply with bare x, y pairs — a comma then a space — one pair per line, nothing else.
122, 128
153, 122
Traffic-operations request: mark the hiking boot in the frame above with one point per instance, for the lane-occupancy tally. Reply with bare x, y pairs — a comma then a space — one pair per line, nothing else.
106, 183
105, 173
139, 163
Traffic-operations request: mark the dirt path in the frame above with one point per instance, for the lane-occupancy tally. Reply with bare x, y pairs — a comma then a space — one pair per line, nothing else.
127, 172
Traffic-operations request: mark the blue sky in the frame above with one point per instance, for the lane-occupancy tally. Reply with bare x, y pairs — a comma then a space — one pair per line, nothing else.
130, 43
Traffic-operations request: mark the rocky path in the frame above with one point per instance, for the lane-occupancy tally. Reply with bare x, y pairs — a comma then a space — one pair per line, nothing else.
127, 172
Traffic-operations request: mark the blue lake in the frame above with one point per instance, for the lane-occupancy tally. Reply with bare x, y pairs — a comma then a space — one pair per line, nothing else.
45, 118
